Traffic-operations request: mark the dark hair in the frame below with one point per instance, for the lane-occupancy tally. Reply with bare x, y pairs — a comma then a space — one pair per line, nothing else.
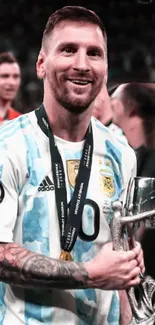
143, 96
7, 57
73, 13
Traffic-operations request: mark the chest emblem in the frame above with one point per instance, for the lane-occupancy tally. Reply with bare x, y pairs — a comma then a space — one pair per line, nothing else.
72, 171
107, 182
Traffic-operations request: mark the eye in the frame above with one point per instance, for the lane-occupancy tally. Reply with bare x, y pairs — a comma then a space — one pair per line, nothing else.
68, 49
94, 53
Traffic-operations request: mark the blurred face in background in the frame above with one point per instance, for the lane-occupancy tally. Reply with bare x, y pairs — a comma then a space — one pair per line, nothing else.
10, 80
117, 106
117, 112
102, 106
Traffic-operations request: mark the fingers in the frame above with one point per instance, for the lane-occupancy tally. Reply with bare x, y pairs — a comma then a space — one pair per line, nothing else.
137, 249
139, 257
134, 273
131, 255
133, 278
133, 282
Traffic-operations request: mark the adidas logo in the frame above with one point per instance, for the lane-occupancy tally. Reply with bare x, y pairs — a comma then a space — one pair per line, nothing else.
46, 185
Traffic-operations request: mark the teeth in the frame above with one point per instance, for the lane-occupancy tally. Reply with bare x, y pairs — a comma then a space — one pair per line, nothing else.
80, 82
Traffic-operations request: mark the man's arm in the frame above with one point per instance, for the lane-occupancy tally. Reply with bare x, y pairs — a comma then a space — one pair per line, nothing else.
20, 267
108, 270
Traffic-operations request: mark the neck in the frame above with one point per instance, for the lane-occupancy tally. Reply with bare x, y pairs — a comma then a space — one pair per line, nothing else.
67, 125
106, 118
4, 106
136, 135
136, 138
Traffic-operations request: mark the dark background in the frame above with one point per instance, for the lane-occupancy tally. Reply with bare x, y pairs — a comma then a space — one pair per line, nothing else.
130, 26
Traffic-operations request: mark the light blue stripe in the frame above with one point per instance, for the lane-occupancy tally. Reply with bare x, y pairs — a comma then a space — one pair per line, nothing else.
116, 159
1, 170
114, 312
101, 127
35, 231
2, 303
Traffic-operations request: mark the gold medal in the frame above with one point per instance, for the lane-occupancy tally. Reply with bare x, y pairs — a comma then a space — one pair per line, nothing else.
65, 256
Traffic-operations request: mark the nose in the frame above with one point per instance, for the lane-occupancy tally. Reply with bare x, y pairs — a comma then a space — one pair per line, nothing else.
12, 81
81, 62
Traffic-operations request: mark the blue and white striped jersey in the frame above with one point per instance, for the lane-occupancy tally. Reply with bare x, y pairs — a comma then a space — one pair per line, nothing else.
28, 216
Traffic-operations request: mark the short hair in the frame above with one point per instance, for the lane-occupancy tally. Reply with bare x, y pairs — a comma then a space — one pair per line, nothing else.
143, 96
73, 13
7, 57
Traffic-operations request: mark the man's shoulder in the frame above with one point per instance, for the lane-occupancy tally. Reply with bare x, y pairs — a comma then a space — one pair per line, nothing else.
111, 133
13, 127
14, 135
114, 145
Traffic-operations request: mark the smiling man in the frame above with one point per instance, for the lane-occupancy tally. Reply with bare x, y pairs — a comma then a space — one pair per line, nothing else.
10, 80
61, 169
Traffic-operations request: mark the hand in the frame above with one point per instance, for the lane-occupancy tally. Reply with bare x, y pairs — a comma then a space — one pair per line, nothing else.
115, 270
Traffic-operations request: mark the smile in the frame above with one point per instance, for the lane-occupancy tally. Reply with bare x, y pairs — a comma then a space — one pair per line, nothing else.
80, 82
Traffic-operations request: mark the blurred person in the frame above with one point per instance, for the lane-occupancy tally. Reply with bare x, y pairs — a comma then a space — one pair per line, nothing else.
61, 169
103, 111
102, 108
133, 106
10, 80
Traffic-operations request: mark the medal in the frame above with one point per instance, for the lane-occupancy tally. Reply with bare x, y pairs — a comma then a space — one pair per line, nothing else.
65, 256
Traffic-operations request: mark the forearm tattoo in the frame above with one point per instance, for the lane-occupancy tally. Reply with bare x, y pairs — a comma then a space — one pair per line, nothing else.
21, 267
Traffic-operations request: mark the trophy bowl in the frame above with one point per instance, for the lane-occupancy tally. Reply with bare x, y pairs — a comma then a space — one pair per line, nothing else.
140, 195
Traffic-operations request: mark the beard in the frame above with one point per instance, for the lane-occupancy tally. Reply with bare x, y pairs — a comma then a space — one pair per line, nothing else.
74, 104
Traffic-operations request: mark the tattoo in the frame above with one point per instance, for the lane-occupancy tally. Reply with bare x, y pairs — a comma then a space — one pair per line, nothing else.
20, 267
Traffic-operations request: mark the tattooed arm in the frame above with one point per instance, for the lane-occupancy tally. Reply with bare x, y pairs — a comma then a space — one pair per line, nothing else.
21, 267
108, 270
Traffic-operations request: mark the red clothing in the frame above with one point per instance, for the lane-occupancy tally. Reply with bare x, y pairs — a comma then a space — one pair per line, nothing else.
10, 115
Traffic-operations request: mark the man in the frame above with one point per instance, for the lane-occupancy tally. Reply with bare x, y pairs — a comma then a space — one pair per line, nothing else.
133, 108
60, 172
10, 80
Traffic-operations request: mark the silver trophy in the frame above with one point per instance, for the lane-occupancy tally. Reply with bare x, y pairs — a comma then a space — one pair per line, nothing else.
129, 220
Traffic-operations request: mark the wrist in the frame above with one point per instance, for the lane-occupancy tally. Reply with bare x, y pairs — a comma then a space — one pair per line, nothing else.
91, 269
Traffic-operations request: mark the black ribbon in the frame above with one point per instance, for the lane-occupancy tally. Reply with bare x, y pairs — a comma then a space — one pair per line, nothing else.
69, 218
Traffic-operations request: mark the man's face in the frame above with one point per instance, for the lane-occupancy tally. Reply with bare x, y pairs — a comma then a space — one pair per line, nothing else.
10, 79
74, 64
102, 106
117, 112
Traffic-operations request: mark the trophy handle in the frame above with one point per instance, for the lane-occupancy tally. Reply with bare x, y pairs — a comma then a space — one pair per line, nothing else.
143, 310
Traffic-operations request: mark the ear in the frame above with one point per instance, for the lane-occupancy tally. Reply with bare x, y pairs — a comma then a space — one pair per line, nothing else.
132, 108
40, 65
